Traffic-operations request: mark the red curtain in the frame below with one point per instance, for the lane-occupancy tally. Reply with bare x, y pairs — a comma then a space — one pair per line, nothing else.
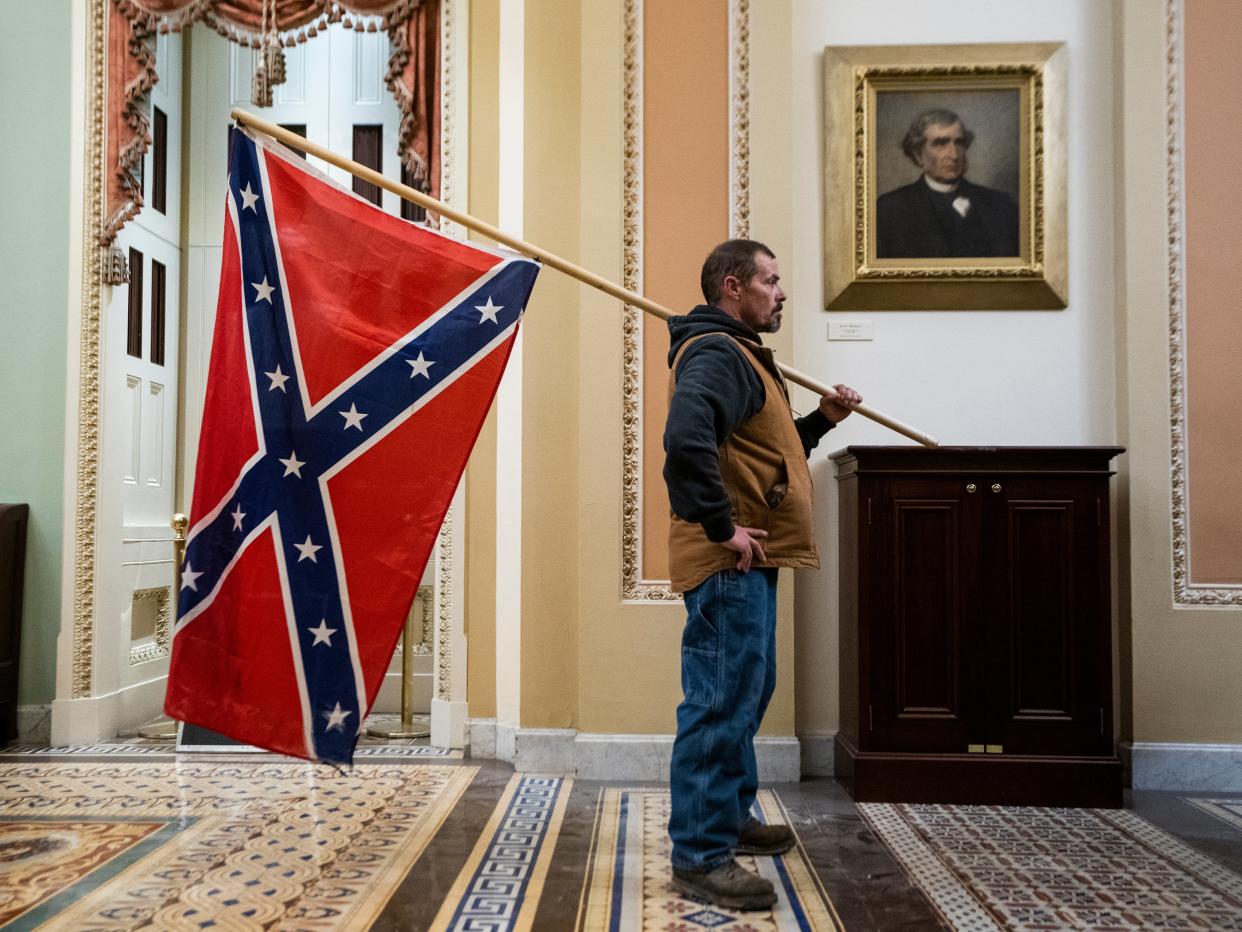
413, 77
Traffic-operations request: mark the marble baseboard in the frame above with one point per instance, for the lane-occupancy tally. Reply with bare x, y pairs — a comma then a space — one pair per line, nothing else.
544, 750
482, 738
1157, 765
506, 741
818, 755
614, 757
34, 724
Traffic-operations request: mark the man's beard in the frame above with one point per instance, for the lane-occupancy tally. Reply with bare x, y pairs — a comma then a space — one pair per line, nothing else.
774, 322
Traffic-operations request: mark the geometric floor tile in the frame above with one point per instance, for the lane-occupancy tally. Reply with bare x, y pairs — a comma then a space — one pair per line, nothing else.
1227, 810
500, 885
627, 885
239, 844
995, 867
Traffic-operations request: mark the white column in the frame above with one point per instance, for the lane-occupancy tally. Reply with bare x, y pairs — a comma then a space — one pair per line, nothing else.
509, 397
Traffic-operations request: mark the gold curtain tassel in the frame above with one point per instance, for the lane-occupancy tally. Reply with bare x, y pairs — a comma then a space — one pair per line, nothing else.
275, 64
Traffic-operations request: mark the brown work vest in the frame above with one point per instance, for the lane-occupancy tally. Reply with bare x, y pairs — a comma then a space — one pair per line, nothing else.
766, 478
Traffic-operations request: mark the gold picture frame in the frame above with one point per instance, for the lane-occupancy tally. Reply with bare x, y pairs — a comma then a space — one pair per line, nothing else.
1014, 95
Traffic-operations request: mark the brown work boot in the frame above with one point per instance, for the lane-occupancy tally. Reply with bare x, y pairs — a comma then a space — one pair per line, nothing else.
730, 885
757, 838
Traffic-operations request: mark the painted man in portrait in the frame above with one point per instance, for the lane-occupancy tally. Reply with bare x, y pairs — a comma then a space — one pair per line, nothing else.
942, 214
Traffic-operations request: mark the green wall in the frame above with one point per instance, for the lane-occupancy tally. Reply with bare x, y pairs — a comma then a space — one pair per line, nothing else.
34, 269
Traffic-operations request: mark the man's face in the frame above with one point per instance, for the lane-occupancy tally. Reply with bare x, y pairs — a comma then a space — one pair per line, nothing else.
761, 299
943, 156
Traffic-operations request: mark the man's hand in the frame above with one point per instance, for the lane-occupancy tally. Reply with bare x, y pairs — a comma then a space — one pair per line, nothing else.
837, 405
746, 542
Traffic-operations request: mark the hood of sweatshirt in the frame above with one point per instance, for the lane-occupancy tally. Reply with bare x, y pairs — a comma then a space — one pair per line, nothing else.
705, 319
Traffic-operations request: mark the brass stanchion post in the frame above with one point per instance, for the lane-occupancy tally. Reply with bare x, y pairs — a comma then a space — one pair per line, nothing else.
167, 728
406, 728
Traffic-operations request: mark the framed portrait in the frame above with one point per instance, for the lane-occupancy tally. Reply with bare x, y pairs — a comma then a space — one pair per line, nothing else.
945, 177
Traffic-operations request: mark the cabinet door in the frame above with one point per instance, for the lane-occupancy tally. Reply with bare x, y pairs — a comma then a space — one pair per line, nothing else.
1045, 605
924, 693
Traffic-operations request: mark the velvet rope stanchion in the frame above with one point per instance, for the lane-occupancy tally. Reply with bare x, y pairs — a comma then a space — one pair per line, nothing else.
549, 259
406, 727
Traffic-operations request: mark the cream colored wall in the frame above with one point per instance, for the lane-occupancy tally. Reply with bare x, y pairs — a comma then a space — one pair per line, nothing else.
550, 396
588, 661
628, 653
1186, 686
483, 165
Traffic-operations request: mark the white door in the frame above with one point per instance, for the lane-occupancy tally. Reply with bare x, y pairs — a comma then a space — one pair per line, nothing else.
139, 402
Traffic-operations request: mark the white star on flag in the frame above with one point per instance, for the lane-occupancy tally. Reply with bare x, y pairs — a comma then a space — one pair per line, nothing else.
323, 634
293, 464
336, 718
489, 310
421, 365
264, 290
237, 514
307, 550
278, 379
188, 576
353, 417
248, 198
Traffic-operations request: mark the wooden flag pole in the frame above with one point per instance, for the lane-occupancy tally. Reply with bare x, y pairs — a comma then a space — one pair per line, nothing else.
551, 260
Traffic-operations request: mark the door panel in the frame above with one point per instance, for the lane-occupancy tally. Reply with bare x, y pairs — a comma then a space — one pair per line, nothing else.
1044, 651
926, 639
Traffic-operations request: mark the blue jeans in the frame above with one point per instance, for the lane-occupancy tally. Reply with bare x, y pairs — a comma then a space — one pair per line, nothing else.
728, 672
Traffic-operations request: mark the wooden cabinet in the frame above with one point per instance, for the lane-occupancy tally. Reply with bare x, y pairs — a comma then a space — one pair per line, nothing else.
976, 629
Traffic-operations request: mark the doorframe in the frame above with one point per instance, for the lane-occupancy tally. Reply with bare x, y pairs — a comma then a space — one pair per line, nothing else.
81, 714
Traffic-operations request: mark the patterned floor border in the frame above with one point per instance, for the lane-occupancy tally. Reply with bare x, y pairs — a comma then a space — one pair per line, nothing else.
499, 887
991, 876
1228, 810
243, 844
627, 886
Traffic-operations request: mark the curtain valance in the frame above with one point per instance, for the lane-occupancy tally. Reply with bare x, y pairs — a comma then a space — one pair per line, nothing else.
268, 26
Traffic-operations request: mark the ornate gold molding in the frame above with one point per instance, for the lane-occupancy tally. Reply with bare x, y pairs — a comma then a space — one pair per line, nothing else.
87, 478
1185, 592
448, 111
444, 600
426, 599
157, 648
739, 118
633, 586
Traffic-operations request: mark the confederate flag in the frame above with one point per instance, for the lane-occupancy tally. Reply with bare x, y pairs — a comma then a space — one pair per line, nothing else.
355, 357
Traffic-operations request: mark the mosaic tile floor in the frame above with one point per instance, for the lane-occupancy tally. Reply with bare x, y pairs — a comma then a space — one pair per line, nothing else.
134, 836
120, 845
627, 883
1022, 868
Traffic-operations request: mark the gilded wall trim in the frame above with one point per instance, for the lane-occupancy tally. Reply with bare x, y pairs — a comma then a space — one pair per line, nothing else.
739, 119
441, 635
92, 287
633, 586
1185, 592
444, 607
157, 647
426, 631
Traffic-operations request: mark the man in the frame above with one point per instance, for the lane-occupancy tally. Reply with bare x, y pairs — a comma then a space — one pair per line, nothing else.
941, 214
740, 493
